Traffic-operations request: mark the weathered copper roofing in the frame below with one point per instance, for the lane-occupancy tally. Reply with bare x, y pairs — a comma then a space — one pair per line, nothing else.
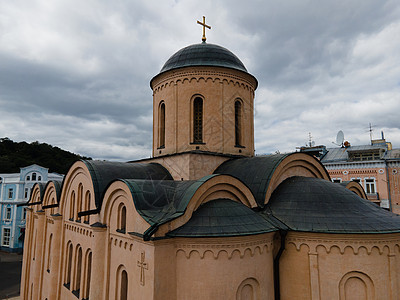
58, 187
255, 172
223, 218
104, 172
203, 54
317, 205
159, 201
42, 188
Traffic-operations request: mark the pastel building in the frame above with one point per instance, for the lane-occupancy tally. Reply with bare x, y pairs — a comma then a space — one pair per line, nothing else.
15, 190
375, 167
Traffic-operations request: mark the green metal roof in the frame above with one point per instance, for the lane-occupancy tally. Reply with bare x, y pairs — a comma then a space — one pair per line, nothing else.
317, 205
223, 218
255, 172
104, 172
203, 54
58, 187
42, 189
159, 201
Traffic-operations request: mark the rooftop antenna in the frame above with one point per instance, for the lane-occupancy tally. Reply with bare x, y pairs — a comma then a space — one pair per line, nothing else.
370, 132
339, 139
310, 143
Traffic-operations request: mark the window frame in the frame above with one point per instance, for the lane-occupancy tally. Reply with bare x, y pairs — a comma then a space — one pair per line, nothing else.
8, 213
6, 239
370, 185
198, 120
238, 114
10, 193
161, 125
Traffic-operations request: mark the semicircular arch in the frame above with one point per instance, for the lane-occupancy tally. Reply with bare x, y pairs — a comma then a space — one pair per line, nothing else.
295, 164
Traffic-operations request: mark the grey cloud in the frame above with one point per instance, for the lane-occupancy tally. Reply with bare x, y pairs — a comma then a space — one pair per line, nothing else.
76, 74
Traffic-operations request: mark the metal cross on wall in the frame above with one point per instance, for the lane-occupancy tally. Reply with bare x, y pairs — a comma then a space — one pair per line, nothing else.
204, 28
143, 266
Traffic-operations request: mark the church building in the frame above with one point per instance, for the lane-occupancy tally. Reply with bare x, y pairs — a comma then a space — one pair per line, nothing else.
205, 218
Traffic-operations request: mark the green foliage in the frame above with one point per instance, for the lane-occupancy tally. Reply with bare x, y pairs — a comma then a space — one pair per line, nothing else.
14, 155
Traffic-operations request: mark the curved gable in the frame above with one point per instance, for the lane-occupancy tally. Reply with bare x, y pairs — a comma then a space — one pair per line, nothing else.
262, 174
355, 187
103, 173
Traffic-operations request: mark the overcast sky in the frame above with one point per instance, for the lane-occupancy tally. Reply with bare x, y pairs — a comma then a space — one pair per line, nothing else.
75, 74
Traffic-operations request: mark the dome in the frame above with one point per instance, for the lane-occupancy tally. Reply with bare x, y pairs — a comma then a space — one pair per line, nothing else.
203, 55
318, 205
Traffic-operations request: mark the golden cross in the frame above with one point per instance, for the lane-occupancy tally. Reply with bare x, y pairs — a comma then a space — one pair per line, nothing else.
204, 28
143, 266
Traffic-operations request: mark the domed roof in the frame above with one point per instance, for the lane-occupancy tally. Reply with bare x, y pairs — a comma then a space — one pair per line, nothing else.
222, 218
203, 54
318, 205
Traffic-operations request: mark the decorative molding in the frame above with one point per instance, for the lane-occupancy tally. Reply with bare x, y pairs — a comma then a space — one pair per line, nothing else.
78, 229
263, 246
355, 165
182, 76
382, 245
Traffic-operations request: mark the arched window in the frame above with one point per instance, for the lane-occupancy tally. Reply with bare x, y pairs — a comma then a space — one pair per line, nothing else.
198, 120
88, 272
121, 227
356, 283
121, 292
87, 206
68, 266
79, 202
49, 253
238, 123
78, 272
248, 289
72, 207
161, 125
33, 176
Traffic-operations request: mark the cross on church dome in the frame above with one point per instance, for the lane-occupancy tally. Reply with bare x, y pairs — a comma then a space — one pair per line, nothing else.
204, 28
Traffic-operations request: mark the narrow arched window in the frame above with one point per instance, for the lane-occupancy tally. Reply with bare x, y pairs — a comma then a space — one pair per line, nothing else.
88, 274
124, 285
198, 120
87, 206
161, 125
72, 207
49, 253
79, 202
78, 272
68, 266
238, 123
121, 227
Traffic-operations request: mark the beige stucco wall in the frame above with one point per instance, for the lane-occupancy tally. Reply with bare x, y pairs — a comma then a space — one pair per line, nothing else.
219, 88
190, 166
217, 268
319, 266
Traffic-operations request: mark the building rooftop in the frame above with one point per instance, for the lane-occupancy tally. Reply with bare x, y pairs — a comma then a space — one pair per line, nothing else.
317, 205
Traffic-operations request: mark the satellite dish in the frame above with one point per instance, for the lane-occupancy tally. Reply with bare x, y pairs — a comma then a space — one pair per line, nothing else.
339, 138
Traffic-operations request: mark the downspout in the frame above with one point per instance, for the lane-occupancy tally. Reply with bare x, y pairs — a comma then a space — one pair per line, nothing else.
388, 185
150, 231
283, 234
